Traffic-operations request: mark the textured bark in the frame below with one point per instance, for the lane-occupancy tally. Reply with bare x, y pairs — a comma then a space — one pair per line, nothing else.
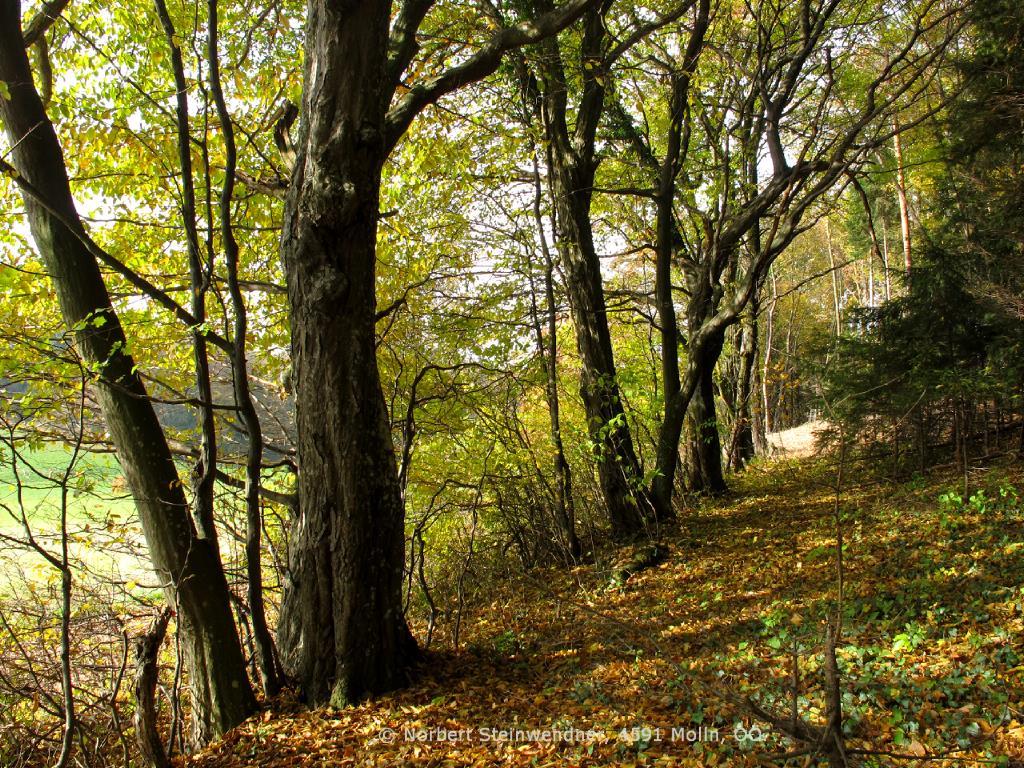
147, 670
342, 631
188, 565
571, 169
743, 448
703, 449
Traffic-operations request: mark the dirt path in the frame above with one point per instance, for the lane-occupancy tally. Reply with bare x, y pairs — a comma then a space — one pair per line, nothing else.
797, 442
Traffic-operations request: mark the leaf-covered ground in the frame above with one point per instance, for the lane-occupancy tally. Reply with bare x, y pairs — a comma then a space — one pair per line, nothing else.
654, 671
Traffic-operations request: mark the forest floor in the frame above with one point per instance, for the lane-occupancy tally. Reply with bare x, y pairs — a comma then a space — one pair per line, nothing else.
654, 671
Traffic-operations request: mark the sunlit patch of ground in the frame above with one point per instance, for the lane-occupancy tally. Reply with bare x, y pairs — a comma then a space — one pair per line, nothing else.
567, 669
798, 442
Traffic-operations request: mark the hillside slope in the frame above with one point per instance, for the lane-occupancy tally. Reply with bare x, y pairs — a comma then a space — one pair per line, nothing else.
594, 672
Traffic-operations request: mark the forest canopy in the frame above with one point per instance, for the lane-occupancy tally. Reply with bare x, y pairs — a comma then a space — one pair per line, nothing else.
333, 329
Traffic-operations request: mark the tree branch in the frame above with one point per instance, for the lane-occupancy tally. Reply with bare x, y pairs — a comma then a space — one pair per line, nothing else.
42, 21
403, 47
480, 65
98, 253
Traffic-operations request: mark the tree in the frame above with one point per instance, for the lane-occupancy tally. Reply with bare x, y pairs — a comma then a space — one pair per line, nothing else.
782, 119
547, 348
186, 560
753, 137
572, 162
981, 191
928, 368
342, 631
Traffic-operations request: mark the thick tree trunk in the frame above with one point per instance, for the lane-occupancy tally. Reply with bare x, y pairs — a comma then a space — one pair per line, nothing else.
188, 565
342, 632
703, 449
668, 242
702, 452
742, 448
748, 436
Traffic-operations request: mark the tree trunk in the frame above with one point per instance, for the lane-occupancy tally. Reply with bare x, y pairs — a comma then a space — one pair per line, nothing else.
147, 669
742, 445
766, 406
187, 564
617, 465
571, 167
565, 514
342, 631
669, 241
204, 471
835, 278
757, 418
266, 660
901, 193
703, 451
885, 260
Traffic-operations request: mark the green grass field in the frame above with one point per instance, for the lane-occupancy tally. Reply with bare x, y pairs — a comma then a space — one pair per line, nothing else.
102, 530
95, 489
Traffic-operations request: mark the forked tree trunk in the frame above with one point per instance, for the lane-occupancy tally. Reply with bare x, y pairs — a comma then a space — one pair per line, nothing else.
702, 452
342, 631
703, 449
187, 564
742, 447
677, 391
